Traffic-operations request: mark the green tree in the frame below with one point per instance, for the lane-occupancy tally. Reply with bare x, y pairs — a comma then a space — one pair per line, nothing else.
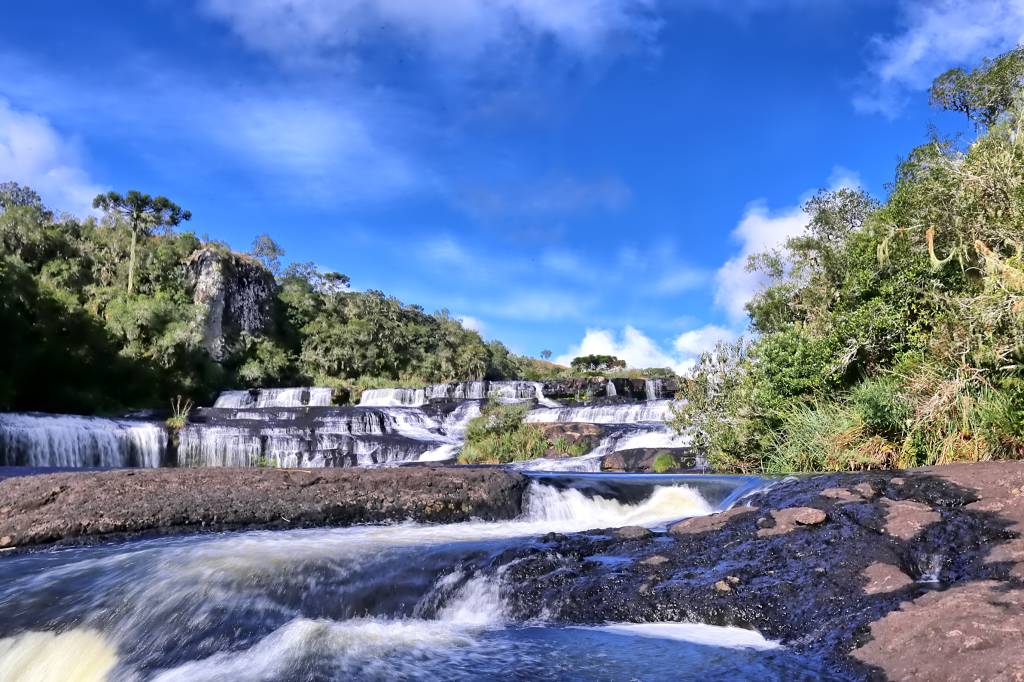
592, 364
546, 354
266, 250
143, 213
984, 93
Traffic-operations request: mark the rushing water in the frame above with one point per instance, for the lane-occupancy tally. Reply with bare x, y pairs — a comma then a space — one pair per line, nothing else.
298, 427
49, 440
370, 602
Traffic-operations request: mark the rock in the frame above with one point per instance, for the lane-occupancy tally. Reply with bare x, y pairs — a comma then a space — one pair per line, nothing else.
711, 522
236, 294
6, 540
865, 490
841, 495
641, 460
968, 632
572, 432
904, 519
655, 560
883, 577
788, 519
147, 500
632, 533
723, 586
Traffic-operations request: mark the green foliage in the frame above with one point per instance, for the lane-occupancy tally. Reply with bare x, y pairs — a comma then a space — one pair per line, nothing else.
499, 436
983, 94
890, 334
595, 364
664, 462
79, 340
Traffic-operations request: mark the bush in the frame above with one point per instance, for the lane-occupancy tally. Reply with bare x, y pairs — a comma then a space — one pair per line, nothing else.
499, 436
663, 462
882, 407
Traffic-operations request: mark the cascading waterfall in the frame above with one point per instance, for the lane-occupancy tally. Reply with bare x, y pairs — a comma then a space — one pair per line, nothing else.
652, 388
275, 397
54, 440
622, 413
610, 389
380, 602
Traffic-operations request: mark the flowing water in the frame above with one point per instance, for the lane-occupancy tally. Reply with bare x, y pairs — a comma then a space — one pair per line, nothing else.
298, 427
372, 602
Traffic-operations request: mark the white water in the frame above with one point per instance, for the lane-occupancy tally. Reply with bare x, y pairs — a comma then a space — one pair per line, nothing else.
623, 413
393, 397
610, 389
276, 397
652, 388
651, 435
54, 440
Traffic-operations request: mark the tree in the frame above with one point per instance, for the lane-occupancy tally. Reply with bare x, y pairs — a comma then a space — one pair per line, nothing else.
546, 354
597, 363
143, 213
983, 94
266, 250
12, 194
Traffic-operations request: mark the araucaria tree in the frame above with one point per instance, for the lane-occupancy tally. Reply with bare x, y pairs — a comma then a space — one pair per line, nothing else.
143, 213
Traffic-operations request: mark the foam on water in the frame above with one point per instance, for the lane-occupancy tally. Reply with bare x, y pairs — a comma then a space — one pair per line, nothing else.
304, 396
624, 413
78, 655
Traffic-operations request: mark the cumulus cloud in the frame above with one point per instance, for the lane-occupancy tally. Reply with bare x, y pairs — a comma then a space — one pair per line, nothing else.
471, 323
462, 29
936, 35
641, 351
762, 229
33, 153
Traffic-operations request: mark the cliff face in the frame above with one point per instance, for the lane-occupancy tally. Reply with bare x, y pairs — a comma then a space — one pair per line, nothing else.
236, 294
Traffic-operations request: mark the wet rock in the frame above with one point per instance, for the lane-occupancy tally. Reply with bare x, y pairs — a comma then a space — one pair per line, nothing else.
884, 577
787, 520
712, 522
633, 533
655, 560
155, 500
904, 519
970, 632
841, 495
722, 586
641, 460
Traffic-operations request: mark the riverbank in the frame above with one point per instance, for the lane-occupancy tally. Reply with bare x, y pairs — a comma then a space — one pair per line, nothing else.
913, 574
76, 506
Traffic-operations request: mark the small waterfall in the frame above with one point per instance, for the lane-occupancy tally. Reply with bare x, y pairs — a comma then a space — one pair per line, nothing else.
652, 388
393, 397
538, 388
275, 397
627, 413
610, 389
55, 440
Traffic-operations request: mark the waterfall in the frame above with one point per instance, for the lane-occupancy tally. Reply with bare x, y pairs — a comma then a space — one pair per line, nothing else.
393, 397
538, 388
626, 413
652, 388
610, 389
275, 397
55, 440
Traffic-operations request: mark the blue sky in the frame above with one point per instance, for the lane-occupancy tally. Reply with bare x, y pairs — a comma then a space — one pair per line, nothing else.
580, 175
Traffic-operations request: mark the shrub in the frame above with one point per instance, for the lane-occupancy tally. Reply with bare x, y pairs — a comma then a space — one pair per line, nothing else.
664, 461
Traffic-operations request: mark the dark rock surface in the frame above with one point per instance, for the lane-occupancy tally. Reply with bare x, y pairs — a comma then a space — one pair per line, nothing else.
70, 506
236, 294
903, 575
641, 460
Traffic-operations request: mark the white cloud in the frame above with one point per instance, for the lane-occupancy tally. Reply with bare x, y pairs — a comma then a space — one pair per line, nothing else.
760, 230
452, 29
540, 305
472, 323
935, 36
33, 153
640, 351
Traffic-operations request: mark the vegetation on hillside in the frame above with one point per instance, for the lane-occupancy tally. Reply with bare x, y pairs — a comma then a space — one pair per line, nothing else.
890, 334
97, 316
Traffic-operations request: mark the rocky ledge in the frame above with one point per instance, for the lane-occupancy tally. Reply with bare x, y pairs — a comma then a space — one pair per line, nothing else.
899, 575
76, 506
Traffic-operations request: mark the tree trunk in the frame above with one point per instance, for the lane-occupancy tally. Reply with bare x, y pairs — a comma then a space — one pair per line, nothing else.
131, 262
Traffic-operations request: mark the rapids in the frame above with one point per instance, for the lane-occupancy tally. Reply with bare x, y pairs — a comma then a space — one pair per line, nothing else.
407, 601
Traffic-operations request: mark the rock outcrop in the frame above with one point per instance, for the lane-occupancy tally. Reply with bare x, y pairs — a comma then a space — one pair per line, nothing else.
73, 506
236, 295
641, 460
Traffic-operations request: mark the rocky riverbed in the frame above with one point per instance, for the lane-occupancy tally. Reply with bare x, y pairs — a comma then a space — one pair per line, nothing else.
899, 575
75, 506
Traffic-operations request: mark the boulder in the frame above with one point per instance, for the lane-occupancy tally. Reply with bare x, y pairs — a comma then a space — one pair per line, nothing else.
641, 460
